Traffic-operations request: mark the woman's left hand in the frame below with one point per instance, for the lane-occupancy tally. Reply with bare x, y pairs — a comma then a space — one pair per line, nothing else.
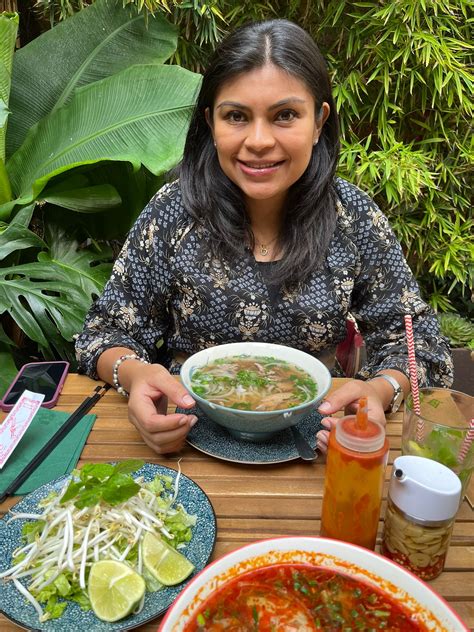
346, 398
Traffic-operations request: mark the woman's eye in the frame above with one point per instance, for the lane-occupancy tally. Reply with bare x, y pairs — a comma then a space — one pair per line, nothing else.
234, 116
286, 115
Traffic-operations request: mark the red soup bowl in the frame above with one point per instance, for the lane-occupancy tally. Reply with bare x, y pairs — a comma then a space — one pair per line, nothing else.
379, 579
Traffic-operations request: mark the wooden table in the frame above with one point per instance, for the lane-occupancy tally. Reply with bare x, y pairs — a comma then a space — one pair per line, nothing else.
255, 502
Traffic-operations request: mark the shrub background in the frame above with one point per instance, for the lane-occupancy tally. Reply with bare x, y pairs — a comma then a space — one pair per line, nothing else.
402, 84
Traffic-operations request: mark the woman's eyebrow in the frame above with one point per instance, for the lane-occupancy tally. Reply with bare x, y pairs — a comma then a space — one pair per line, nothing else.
278, 104
287, 101
232, 104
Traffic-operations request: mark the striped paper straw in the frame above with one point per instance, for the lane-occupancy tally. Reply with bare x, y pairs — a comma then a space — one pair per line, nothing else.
466, 444
415, 393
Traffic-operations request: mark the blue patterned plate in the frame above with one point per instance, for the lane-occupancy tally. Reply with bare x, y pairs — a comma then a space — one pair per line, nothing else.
212, 439
198, 551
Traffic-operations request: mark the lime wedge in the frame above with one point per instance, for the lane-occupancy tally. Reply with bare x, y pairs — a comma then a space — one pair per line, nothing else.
418, 450
114, 589
164, 563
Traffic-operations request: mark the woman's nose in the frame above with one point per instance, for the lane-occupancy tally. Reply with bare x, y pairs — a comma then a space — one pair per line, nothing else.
260, 136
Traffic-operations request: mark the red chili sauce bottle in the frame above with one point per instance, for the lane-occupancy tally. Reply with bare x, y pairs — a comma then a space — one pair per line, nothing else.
355, 468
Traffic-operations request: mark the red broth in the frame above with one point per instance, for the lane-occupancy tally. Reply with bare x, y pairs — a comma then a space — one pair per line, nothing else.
300, 598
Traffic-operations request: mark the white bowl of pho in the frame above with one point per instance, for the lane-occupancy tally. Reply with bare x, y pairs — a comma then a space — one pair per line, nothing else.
255, 389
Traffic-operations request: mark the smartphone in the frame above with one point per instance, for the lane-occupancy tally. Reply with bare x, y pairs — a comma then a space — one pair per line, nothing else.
40, 377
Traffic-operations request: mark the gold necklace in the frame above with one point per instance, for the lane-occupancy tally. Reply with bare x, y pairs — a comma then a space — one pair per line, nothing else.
264, 247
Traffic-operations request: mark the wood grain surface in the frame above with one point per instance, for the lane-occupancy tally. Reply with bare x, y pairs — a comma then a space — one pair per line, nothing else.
255, 502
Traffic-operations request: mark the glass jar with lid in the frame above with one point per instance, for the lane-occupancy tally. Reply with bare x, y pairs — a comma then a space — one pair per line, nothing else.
423, 500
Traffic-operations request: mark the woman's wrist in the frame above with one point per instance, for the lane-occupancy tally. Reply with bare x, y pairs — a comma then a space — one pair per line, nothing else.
127, 357
119, 366
388, 388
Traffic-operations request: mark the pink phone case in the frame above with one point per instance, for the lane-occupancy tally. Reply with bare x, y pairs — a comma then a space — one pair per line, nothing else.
59, 385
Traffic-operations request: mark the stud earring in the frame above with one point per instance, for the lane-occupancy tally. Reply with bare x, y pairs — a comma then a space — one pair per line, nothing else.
315, 142
215, 144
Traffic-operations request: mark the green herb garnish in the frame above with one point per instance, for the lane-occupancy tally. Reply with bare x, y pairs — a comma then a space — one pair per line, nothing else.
97, 482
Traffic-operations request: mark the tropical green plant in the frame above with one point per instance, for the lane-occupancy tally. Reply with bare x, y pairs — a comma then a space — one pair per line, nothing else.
96, 119
403, 87
458, 330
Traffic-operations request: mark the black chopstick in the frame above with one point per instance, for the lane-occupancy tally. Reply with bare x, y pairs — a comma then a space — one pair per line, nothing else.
57, 437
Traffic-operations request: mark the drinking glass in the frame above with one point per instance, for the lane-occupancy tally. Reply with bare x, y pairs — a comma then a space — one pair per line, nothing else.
440, 431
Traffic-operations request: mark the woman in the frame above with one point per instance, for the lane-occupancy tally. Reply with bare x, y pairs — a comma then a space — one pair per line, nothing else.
258, 241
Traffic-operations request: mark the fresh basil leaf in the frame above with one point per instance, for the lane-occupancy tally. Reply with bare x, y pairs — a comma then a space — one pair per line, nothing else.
97, 470
71, 491
119, 488
127, 467
88, 498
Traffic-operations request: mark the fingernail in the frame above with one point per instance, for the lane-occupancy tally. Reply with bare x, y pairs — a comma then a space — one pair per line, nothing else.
325, 407
187, 399
183, 421
192, 421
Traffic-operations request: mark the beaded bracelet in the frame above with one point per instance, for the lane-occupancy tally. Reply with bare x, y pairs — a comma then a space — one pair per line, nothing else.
130, 356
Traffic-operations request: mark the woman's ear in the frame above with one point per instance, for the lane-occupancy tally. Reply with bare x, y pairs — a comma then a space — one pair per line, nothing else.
207, 114
320, 120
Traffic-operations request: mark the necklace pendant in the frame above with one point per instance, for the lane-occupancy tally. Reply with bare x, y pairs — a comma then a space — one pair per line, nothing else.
263, 250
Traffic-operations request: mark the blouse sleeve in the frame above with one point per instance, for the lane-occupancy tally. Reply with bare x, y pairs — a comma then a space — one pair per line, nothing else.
384, 291
132, 310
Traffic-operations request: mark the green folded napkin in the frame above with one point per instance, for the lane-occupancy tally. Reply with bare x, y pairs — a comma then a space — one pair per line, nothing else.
62, 460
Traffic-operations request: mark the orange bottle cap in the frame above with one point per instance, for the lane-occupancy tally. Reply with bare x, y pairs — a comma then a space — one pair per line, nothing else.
352, 437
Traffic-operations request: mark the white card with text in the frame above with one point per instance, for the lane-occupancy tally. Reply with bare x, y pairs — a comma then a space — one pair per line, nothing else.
16, 423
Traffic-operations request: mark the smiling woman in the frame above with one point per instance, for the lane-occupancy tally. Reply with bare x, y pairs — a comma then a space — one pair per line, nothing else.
258, 241
264, 142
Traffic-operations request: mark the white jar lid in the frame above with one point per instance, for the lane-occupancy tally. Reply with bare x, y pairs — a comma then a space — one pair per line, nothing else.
424, 489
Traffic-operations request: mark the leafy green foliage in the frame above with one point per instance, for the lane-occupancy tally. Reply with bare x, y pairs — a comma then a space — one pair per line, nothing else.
91, 132
8, 31
458, 330
8, 369
98, 482
403, 86
86, 132
48, 71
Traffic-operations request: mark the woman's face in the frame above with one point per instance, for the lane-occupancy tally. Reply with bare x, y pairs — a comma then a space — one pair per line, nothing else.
264, 127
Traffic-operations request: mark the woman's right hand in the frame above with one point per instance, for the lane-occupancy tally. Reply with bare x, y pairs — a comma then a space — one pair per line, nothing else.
151, 386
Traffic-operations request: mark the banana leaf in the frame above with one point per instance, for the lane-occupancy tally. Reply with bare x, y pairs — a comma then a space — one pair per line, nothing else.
97, 42
139, 115
8, 30
86, 199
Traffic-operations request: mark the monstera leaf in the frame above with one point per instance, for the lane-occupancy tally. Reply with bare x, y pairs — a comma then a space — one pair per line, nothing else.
87, 269
45, 308
139, 115
97, 42
48, 299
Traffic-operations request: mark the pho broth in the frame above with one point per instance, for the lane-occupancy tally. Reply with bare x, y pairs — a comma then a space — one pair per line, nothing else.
256, 383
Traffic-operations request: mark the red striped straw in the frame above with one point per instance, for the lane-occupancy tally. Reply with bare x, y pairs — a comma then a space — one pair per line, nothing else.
415, 393
466, 444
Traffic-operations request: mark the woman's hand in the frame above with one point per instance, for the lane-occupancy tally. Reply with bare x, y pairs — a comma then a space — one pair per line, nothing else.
151, 386
346, 398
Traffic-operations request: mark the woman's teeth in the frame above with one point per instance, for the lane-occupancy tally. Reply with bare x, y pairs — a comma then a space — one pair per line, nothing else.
265, 166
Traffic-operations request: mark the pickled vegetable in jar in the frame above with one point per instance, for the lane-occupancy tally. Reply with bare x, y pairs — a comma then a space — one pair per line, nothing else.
422, 503
355, 468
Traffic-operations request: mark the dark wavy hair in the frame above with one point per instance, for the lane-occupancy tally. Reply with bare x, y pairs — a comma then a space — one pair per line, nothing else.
216, 202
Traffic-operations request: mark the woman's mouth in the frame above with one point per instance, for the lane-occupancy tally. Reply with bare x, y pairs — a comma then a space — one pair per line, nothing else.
259, 168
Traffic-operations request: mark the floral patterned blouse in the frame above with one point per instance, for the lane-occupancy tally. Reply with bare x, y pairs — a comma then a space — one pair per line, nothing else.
165, 286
